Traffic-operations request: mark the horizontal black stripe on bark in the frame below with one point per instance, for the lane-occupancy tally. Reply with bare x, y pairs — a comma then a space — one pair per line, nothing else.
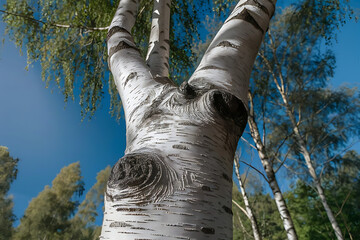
223, 44
246, 16
256, 4
114, 30
215, 67
122, 45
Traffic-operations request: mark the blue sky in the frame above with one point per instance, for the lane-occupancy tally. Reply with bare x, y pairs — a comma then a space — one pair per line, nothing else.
46, 134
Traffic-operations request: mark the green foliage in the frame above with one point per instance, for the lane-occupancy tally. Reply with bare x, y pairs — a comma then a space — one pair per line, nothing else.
8, 172
47, 216
342, 187
68, 38
51, 215
268, 218
293, 60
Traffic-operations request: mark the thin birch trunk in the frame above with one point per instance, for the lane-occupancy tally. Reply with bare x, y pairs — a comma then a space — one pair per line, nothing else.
174, 181
312, 171
157, 56
254, 225
306, 154
270, 174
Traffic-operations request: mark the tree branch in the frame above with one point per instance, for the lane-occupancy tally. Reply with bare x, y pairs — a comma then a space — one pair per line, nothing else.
55, 24
228, 61
241, 208
158, 52
255, 170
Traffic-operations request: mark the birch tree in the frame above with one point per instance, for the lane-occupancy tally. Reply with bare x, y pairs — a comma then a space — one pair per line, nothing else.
249, 210
309, 122
8, 172
174, 181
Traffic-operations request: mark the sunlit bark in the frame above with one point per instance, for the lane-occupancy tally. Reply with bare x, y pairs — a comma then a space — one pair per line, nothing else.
175, 180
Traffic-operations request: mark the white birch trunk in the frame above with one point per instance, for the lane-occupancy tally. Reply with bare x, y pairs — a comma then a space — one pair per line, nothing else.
254, 225
271, 178
311, 170
174, 181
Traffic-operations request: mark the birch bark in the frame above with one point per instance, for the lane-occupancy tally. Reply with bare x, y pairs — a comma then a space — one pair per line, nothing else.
311, 169
174, 181
249, 211
270, 174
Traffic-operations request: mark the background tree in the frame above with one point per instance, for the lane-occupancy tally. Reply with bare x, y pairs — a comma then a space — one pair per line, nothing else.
48, 214
8, 172
341, 186
56, 214
308, 120
264, 208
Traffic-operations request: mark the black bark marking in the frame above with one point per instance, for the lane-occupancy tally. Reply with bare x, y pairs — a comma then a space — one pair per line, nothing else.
139, 176
122, 45
246, 16
152, 112
214, 67
227, 210
119, 224
130, 209
114, 30
131, 76
230, 107
178, 146
206, 188
227, 178
227, 44
256, 4
208, 230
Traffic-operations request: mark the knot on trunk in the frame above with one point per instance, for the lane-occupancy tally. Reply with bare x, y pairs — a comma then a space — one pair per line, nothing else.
142, 177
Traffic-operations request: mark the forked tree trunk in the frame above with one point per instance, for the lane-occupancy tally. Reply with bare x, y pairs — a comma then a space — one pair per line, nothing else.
270, 174
174, 181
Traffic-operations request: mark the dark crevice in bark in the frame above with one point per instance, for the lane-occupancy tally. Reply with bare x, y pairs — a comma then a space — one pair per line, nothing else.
187, 90
230, 107
246, 16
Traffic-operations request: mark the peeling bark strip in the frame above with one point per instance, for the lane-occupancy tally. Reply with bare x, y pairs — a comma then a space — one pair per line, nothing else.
174, 181
246, 16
